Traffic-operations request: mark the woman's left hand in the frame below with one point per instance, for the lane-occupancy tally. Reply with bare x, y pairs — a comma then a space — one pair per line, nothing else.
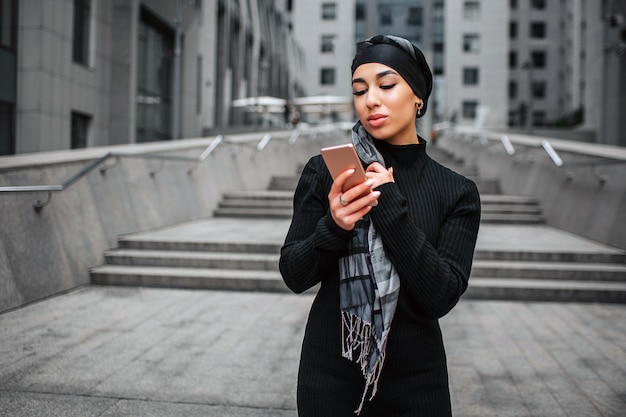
379, 174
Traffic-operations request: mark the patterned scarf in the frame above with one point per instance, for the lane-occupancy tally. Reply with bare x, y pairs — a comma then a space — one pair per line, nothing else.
368, 288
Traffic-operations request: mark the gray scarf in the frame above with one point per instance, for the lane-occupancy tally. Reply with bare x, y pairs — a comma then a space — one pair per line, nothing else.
368, 288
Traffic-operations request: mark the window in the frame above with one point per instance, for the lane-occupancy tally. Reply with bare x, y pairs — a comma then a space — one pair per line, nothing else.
82, 31
385, 15
438, 11
512, 30
539, 118
469, 109
538, 30
8, 24
329, 11
154, 79
360, 11
327, 76
512, 59
328, 44
199, 65
538, 89
512, 118
471, 10
512, 89
538, 59
471, 43
538, 4
470, 76
414, 17
80, 129
7, 128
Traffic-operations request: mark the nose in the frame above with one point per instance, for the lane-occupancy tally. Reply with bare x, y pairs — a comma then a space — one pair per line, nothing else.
372, 99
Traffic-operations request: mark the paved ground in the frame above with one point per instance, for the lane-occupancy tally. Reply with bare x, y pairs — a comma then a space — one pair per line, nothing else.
108, 351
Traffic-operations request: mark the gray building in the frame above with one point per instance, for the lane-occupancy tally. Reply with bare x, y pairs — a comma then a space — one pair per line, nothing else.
538, 64
520, 64
82, 73
325, 29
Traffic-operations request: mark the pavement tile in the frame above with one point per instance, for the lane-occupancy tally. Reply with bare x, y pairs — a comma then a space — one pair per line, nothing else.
112, 351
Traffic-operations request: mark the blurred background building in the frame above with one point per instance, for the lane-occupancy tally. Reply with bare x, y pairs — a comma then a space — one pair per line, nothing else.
83, 73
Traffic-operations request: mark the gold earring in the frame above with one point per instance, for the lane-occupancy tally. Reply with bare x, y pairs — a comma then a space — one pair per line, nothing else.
419, 105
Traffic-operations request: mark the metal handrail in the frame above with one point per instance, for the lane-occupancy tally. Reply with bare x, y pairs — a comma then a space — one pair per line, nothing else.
551, 152
39, 204
548, 149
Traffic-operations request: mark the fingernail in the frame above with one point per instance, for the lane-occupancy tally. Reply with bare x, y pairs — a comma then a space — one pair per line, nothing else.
351, 171
376, 193
369, 182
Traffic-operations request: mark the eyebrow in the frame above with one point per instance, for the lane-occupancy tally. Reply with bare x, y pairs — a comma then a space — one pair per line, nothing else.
378, 76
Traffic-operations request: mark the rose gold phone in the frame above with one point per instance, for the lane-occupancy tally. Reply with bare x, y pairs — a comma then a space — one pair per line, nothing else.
340, 158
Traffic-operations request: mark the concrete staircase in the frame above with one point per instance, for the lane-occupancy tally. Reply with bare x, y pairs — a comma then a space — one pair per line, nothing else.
517, 256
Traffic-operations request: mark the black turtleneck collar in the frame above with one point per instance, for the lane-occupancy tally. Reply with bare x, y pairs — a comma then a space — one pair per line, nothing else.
401, 154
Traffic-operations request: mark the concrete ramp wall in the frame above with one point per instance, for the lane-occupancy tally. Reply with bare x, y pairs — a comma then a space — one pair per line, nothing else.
47, 252
586, 195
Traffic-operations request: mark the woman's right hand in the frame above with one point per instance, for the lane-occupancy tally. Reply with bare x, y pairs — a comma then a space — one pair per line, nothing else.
346, 208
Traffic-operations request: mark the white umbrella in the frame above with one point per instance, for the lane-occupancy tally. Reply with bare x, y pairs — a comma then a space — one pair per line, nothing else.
322, 100
324, 104
261, 104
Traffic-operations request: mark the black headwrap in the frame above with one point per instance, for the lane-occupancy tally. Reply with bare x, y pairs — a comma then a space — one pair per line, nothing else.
401, 55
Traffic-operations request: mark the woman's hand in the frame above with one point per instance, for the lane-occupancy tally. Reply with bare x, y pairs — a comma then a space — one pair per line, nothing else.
346, 208
379, 175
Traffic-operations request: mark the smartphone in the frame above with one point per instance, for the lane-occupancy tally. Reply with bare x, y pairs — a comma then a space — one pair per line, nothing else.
340, 158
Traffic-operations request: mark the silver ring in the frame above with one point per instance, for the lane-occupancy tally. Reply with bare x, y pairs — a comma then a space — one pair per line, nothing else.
342, 201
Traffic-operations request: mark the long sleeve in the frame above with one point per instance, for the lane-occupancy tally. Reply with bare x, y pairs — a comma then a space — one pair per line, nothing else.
314, 242
433, 277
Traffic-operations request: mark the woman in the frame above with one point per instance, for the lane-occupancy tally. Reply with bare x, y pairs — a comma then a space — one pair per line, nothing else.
393, 254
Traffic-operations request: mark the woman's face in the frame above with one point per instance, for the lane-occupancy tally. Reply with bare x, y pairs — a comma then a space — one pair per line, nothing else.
385, 103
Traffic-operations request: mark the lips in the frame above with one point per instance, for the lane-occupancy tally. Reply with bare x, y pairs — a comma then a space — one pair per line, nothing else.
377, 119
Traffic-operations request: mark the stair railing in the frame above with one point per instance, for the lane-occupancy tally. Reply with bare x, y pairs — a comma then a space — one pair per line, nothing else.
486, 140
58, 188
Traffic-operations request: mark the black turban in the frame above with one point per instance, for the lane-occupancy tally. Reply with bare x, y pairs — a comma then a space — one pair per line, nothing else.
401, 55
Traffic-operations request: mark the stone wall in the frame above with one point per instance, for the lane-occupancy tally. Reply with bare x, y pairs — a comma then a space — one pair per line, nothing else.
585, 196
48, 252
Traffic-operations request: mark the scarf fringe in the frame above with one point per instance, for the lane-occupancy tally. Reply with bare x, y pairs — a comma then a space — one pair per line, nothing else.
358, 337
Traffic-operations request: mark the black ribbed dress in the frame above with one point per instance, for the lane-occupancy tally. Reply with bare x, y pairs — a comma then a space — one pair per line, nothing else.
428, 220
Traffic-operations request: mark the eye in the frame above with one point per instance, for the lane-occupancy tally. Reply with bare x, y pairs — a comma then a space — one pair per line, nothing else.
387, 86
358, 93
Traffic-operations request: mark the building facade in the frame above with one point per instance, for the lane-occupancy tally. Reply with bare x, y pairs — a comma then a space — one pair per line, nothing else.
325, 29
533, 64
516, 64
82, 73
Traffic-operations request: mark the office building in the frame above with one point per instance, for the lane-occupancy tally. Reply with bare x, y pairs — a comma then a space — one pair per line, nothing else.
83, 73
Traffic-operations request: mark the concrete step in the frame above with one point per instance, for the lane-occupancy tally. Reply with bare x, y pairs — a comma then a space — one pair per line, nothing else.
189, 278
510, 208
572, 257
488, 186
550, 270
193, 259
276, 195
546, 290
148, 243
286, 183
228, 203
254, 212
507, 218
504, 199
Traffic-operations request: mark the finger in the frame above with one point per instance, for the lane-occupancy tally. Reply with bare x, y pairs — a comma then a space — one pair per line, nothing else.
341, 179
375, 167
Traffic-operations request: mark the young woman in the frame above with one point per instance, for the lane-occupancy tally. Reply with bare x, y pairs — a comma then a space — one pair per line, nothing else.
392, 254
